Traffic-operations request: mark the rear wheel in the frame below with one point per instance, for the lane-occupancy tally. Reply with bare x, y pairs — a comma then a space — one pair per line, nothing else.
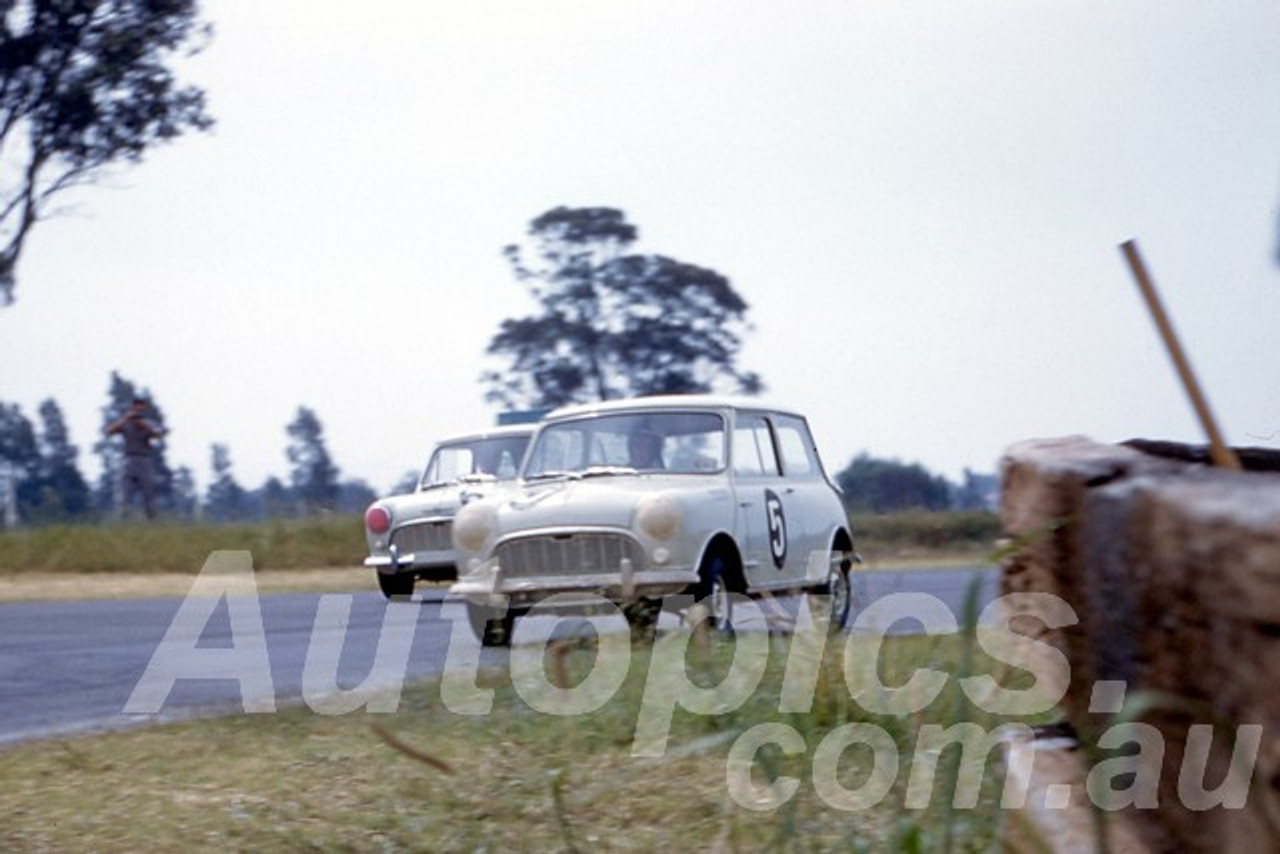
399, 585
492, 627
836, 594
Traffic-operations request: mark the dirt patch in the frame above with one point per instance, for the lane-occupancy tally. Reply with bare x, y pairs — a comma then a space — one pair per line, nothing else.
62, 587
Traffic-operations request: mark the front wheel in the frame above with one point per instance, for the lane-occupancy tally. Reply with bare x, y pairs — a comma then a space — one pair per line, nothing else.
492, 627
713, 594
395, 586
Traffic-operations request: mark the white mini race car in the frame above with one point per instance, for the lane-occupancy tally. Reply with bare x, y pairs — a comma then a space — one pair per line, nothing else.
627, 502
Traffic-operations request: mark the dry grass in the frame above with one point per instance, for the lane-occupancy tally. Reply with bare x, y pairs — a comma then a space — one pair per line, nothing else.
511, 780
338, 541
304, 782
177, 546
913, 537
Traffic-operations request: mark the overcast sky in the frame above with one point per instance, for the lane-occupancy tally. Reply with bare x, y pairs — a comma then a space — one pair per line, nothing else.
921, 201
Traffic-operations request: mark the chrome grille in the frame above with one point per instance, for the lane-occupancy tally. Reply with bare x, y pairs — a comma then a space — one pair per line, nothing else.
424, 537
568, 554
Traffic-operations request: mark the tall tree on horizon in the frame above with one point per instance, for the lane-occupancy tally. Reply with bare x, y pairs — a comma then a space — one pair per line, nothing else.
612, 324
19, 462
64, 491
313, 475
225, 500
184, 498
39, 478
273, 500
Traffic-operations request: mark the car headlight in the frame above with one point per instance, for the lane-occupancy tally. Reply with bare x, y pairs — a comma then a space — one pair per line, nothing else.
473, 526
658, 516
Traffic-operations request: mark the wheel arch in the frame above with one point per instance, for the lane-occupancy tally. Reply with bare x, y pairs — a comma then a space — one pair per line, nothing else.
724, 546
842, 540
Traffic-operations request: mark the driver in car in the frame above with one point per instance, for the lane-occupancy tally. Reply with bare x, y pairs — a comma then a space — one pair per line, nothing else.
644, 448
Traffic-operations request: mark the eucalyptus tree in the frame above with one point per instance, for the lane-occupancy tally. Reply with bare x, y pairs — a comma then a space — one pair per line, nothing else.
612, 323
64, 491
85, 84
312, 476
225, 499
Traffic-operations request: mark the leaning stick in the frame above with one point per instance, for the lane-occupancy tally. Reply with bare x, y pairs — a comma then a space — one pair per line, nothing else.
1221, 455
395, 742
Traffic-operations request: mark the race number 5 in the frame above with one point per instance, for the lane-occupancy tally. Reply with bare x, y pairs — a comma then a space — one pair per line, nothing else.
777, 528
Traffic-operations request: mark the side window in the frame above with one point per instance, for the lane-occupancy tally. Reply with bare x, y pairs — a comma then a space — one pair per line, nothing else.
746, 457
798, 458
753, 454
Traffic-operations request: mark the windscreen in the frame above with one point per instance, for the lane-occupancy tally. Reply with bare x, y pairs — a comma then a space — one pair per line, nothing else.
677, 442
496, 456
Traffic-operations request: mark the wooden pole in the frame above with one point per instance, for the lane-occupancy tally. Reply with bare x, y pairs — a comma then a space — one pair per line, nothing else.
1221, 455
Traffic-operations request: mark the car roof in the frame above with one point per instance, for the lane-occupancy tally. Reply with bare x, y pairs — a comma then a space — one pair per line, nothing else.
490, 433
669, 401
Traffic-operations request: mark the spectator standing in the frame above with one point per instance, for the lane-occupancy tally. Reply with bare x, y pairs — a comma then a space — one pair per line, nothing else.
138, 475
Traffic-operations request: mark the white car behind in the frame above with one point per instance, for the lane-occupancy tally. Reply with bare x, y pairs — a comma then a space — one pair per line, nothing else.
410, 536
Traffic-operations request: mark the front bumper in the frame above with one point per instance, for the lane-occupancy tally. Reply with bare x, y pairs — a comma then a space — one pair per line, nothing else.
393, 562
488, 586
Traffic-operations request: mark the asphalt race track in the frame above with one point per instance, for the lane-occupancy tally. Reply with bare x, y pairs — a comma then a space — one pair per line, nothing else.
68, 667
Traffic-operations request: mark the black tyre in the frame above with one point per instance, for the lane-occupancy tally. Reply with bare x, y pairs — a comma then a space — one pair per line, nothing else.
396, 586
713, 594
491, 626
836, 593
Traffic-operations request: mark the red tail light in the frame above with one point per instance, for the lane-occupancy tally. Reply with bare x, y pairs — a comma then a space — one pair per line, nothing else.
377, 519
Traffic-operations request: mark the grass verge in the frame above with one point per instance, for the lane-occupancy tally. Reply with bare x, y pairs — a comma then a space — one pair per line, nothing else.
918, 537
119, 561
338, 541
181, 547
426, 779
